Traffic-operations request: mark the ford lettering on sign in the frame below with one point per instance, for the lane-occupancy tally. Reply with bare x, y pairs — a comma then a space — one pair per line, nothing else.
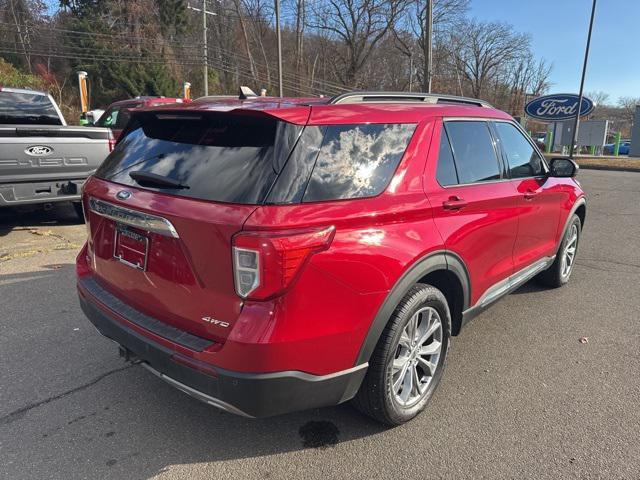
551, 108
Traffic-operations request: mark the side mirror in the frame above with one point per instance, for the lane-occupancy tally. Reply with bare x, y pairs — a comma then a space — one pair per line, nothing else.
563, 167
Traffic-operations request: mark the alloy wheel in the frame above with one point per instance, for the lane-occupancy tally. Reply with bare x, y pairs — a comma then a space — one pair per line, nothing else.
417, 357
569, 253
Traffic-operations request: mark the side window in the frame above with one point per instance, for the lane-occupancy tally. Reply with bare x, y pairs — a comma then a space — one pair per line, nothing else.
357, 160
446, 173
523, 159
475, 156
109, 118
123, 118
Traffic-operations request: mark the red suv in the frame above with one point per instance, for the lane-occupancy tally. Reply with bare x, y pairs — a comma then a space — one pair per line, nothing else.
272, 255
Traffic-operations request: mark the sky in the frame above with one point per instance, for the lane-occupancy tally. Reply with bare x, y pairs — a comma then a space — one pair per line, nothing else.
558, 30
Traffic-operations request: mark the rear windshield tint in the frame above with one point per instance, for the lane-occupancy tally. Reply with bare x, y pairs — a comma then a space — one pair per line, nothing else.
216, 156
27, 109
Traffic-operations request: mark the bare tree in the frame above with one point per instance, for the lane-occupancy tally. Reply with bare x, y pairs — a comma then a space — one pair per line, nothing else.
599, 98
629, 104
357, 26
526, 78
446, 15
245, 37
483, 49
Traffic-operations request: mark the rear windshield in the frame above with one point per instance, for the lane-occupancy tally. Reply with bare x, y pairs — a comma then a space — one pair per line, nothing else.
215, 156
27, 108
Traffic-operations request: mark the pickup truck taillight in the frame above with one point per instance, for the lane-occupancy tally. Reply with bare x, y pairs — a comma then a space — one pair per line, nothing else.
112, 141
265, 264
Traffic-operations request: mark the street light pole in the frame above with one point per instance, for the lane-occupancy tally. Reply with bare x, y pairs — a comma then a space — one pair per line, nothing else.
576, 123
279, 38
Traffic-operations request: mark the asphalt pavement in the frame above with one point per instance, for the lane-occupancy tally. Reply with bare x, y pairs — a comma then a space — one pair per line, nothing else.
522, 397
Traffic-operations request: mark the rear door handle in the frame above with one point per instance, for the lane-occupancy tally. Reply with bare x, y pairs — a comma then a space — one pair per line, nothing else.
454, 203
530, 195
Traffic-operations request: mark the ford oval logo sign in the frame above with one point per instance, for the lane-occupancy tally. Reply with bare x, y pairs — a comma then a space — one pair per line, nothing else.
38, 150
123, 195
551, 108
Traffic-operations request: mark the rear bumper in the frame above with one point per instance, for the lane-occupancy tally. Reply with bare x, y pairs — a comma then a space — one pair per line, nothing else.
252, 395
33, 193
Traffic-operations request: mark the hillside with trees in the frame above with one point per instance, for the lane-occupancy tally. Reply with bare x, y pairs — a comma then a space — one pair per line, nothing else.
150, 47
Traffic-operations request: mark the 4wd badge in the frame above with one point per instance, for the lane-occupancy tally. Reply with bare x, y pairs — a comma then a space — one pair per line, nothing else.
213, 321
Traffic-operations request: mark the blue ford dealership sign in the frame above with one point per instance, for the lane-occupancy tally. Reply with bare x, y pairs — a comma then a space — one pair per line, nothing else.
563, 106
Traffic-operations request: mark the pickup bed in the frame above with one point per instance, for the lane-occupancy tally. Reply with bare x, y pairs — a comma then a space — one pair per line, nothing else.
42, 160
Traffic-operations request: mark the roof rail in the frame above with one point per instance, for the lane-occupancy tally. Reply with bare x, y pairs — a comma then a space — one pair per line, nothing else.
405, 97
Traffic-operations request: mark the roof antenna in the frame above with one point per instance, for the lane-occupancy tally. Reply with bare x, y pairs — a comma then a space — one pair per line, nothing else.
246, 92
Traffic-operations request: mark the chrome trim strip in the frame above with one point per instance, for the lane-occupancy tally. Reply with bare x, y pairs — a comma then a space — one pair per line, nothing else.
514, 281
133, 218
197, 394
302, 375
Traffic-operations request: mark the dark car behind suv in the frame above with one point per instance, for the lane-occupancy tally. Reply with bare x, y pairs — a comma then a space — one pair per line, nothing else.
117, 115
270, 255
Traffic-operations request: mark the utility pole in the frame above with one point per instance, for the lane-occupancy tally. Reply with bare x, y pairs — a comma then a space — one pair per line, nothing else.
576, 123
428, 32
205, 50
279, 36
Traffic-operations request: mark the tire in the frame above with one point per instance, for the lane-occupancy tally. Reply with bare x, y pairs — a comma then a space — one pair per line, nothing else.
377, 396
77, 206
557, 274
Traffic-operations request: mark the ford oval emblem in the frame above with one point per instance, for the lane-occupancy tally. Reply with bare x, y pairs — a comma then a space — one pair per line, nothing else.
123, 195
38, 150
564, 106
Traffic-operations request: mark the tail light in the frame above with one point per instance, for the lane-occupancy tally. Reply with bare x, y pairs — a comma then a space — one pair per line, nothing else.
112, 141
265, 264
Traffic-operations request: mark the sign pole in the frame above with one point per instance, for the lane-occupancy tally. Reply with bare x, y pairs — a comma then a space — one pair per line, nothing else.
576, 124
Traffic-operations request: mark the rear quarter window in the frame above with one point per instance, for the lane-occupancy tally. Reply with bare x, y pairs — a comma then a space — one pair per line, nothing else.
357, 161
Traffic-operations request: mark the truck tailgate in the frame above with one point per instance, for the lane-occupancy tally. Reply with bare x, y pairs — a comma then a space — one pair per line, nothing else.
33, 154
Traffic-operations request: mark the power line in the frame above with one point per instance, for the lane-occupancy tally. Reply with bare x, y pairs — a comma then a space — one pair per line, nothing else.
292, 80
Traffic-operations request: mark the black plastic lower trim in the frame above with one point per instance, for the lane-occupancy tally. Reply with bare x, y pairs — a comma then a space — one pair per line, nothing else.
254, 395
175, 335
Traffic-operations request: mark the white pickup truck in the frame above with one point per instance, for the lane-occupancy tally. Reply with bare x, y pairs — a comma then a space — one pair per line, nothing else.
42, 160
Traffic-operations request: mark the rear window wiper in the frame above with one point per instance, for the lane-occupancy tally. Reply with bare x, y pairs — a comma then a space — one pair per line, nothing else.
157, 181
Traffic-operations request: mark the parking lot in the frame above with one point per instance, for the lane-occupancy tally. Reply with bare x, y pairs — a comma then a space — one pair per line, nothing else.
523, 396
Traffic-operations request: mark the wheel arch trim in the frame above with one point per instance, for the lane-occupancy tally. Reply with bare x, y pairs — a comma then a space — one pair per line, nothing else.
432, 262
580, 202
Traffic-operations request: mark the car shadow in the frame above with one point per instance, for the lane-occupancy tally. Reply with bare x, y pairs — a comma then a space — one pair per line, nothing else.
532, 286
119, 418
61, 213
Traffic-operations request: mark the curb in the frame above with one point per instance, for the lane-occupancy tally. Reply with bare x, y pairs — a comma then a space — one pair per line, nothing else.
612, 168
